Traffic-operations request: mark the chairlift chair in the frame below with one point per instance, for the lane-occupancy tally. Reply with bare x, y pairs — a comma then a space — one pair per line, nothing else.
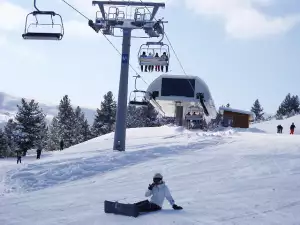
135, 99
138, 100
33, 35
153, 48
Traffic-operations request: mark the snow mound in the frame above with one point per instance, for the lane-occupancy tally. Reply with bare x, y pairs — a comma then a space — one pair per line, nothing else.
60, 170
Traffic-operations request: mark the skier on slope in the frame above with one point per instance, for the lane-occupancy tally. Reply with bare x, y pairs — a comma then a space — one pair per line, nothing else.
159, 191
292, 128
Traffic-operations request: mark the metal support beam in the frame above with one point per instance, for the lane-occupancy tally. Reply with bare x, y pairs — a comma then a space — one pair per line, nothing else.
120, 131
130, 3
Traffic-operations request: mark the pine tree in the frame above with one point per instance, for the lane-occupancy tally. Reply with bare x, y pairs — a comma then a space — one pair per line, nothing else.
295, 104
105, 117
142, 117
10, 132
82, 126
30, 126
149, 116
98, 125
133, 117
4, 147
108, 109
289, 106
66, 125
86, 132
53, 134
257, 110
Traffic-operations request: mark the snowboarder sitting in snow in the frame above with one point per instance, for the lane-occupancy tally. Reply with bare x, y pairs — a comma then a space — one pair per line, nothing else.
292, 128
159, 191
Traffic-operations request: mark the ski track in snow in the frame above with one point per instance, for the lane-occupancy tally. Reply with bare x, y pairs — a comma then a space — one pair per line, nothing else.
229, 177
38, 176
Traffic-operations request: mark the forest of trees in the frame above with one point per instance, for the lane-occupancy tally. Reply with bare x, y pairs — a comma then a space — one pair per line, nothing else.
29, 129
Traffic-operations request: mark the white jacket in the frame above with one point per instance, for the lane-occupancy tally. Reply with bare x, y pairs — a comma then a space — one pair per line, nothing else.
159, 193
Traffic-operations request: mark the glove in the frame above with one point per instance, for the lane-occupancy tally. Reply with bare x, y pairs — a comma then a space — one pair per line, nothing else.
176, 207
151, 186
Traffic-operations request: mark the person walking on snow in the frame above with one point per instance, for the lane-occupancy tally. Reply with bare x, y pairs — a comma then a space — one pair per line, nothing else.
19, 157
158, 191
292, 128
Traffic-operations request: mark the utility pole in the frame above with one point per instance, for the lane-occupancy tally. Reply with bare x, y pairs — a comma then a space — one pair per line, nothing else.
115, 17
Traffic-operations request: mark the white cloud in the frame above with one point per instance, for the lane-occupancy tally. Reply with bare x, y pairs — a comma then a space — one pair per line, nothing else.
242, 18
12, 17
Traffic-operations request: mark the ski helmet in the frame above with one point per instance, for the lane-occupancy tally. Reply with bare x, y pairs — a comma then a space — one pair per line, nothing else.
157, 178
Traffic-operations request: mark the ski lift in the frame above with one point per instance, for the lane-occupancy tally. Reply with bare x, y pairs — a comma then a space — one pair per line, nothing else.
138, 97
30, 34
154, 54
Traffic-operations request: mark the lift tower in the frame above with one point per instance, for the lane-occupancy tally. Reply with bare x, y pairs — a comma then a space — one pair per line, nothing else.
117, 15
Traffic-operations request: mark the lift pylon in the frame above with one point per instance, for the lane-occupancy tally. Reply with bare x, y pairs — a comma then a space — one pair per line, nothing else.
117, 17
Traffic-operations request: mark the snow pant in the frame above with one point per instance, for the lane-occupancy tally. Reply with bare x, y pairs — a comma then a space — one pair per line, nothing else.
142, 68
162, 68
146, 206
292, 131
19, 159
38, 154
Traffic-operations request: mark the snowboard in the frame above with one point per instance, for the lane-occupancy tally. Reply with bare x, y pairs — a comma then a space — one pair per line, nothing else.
121, 208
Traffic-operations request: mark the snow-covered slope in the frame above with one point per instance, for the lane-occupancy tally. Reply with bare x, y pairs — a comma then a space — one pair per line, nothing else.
219, 178
8, 109
271, 126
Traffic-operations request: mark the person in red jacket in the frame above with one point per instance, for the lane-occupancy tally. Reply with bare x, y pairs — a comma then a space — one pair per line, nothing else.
292, 128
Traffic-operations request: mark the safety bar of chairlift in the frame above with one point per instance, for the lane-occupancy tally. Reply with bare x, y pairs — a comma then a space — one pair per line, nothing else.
155, 43
139, 91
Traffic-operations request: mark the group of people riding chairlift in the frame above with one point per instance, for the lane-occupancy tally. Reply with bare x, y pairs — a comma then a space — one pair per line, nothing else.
158, 68
280, 128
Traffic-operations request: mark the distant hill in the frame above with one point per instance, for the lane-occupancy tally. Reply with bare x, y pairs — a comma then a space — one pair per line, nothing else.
8, 109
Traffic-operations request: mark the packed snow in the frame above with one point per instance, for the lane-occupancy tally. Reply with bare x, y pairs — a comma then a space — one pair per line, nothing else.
230, 176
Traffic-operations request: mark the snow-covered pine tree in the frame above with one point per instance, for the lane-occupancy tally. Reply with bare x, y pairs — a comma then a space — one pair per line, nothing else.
30, 124
105, 117
10, 131
108, 109
148, 116
42, 137
289, 105
82, 126
295, 104
53, 134
4, 147
133, 117
79, 120
98, 125
86, 131
66, 124
257, 110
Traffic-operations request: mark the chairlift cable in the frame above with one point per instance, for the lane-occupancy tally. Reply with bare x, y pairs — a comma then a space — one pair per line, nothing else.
75, 9
71, 6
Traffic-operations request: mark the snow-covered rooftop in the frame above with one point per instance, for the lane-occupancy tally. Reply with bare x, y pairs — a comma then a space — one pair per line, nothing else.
228, 109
